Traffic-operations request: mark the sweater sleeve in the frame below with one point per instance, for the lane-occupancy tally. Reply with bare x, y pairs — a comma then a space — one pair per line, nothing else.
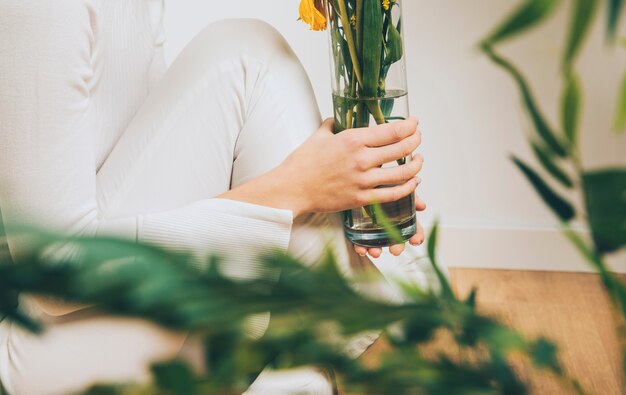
47, 159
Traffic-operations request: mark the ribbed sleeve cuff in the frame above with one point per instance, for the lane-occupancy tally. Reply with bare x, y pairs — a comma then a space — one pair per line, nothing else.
125, 228
237, 232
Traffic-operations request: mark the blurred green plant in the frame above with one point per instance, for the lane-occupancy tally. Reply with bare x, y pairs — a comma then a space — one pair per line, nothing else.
557, 149
127, 279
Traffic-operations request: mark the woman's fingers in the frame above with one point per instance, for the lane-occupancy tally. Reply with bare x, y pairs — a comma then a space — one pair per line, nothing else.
388, 133
392, 152
396, 174
375, 252
390, 194
419, 204
396, 249
360, 250
418, 238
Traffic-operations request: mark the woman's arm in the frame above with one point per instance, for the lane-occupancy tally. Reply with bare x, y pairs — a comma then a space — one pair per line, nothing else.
333, 172
345, 173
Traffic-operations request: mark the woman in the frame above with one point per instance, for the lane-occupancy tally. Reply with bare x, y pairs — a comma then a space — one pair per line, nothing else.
213, 156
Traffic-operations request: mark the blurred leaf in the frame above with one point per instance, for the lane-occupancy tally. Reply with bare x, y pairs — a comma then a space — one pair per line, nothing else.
559, 206
540, 124
551, 167
615, 287
372, 46
583, 12
311, 310
446, 289
587, 252
571, 107
614, 12
101, 389
620, 115
4, 245
382, 218
529, 14
174, 378
605, 193
26, 322
471, 298
501, 339
544, 353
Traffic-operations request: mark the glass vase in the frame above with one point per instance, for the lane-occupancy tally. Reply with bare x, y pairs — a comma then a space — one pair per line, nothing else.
368, 72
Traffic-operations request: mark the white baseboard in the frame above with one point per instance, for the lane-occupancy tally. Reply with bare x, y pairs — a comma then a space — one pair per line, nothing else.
515, 248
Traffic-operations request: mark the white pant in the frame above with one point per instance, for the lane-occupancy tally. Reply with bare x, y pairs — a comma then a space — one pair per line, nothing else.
208, 148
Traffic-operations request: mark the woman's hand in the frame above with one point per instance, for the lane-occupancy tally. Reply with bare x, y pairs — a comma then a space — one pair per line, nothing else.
397, 249
334, 172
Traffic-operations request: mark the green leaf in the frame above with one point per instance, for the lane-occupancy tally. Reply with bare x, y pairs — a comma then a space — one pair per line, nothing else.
372, 46
471, 298
394, 49
346, 60
559, 206
525, 17
571, 107
174, 378
25, 321
613, 16
548, 164
341, 105
544, 354
446, 289
605, 196
386, 106
382, 219
586, 251
544, 131
620, 114
583, 12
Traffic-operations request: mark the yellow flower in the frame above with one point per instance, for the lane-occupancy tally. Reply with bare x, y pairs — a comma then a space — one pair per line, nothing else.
353, 20
386, 4
312, 13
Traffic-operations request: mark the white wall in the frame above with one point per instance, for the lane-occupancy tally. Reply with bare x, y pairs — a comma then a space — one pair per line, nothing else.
470, 116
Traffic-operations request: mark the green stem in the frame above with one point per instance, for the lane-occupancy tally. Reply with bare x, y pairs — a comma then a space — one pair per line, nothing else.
362, 115
345, 21
351, 110
359, 26
376, 112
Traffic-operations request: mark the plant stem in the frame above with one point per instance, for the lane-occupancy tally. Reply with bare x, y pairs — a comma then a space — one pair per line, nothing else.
351, 110
376, 112
359, 26
345, 21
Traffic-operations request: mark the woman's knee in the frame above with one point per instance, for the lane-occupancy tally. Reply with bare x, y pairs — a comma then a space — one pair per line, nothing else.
245, 37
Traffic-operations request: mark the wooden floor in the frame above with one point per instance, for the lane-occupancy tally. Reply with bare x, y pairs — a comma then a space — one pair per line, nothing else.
569, 308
